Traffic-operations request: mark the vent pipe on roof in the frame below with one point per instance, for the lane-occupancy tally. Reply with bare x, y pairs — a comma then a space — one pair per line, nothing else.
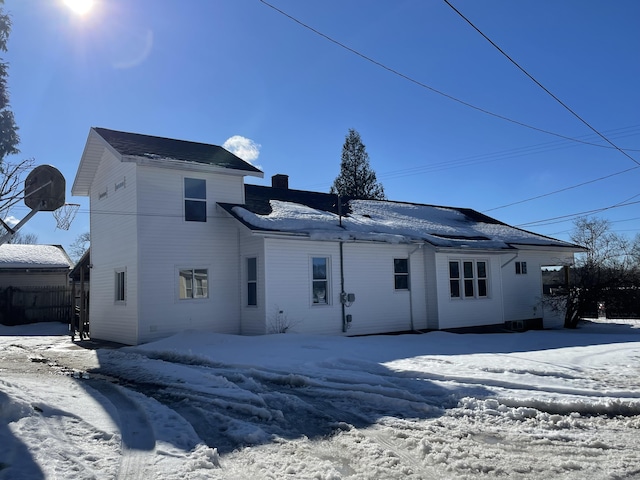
280, 181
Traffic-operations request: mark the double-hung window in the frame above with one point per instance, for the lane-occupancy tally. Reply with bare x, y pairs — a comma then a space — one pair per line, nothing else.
252, 281
401, 273
468, 279
194, 283
195, 200
120, 286
320, 280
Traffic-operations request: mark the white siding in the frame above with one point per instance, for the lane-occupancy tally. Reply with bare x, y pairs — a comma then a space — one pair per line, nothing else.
253, 318
458, 313
169, 243
34, 278
113, 246
523, 292
368, 273
288, 287
379, 307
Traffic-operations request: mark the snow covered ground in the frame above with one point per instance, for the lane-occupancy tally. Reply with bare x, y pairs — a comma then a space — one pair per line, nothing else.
543, 404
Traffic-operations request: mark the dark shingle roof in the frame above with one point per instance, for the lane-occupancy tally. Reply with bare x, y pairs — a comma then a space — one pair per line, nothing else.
136, 144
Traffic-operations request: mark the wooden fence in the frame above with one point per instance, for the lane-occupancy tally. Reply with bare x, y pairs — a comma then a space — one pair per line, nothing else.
19, 306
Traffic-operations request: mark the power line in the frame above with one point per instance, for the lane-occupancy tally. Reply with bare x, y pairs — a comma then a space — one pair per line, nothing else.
561, 190
425, 86
542, 86
565, 218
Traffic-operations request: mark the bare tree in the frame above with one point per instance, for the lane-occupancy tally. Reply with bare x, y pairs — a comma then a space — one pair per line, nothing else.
79, 246
24, 238
606, 275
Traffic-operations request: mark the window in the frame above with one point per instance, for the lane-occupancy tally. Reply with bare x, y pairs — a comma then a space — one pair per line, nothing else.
468, 279
401, 273
195, 200
320, 280
193, 283
120, 286
521, 268
252, 281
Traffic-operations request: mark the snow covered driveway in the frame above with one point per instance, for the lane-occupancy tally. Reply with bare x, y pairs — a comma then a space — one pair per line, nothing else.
550, 404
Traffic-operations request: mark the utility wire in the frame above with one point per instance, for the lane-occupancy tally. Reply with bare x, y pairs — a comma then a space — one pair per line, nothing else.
564, 218
432, 89
542, 86
561, 190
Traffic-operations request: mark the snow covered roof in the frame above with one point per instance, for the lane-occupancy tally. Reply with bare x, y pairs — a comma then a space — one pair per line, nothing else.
316, 215
33, 256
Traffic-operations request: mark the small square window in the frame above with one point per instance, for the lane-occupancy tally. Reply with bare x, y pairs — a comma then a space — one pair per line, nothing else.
521, 268
193, 283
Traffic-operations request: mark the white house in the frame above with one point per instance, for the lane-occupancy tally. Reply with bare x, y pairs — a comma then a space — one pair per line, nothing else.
179, 242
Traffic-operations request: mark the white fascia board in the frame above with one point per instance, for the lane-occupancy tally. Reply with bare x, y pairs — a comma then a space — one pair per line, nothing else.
89, 163
173, 164
549, 248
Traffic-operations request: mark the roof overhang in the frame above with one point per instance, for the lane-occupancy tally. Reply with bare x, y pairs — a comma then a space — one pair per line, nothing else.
568, 248
173, 164
93, 152
96, 147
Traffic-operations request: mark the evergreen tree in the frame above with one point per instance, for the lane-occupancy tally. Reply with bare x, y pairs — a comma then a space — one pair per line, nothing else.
356, 179
11, 172
9, 139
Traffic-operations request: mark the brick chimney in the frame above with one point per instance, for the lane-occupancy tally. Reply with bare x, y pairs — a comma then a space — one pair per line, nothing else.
280, 181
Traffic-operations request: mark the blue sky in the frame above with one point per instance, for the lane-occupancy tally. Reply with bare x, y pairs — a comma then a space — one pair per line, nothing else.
209, 70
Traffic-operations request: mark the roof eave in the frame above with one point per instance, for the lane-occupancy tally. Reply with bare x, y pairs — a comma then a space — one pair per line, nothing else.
556, 248
91, 156
175, 164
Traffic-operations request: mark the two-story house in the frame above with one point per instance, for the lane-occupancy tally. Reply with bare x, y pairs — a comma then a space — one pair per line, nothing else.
179, 242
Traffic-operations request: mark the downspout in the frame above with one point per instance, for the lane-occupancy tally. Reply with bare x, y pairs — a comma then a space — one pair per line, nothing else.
420, 245
345, 326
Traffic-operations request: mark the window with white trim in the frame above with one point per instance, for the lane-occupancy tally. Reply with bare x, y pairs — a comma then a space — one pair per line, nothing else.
252, 281
521, 268
195, 200
320, 280
401, 273
468, 279
120, 286
193, 283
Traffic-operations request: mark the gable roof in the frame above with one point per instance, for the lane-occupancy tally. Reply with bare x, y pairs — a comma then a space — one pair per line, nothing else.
315, 215
33, 256
150, 149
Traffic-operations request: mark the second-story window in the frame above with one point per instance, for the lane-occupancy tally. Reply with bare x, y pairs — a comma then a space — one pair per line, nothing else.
195, 200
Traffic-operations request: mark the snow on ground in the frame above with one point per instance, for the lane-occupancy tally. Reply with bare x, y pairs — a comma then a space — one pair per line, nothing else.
540, 404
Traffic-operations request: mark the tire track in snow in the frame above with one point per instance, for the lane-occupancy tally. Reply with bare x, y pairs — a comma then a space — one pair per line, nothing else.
138, 439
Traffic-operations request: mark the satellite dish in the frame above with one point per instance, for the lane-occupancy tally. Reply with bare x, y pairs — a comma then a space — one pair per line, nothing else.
44, 189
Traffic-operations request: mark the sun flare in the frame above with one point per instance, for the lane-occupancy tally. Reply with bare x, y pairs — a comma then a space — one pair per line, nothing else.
81, 7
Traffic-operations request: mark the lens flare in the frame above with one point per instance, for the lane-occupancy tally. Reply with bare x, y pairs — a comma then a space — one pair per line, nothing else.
81, 7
